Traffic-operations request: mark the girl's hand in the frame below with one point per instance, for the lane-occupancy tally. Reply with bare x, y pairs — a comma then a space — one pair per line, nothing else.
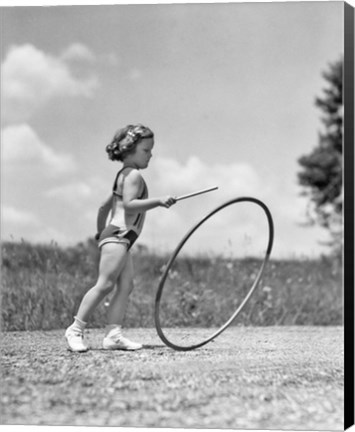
167, 201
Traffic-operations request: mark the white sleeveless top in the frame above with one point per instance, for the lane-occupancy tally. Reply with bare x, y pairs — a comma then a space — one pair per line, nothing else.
120, 218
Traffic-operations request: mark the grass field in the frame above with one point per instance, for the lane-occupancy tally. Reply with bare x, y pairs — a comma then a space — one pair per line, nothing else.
248, 378
42, 286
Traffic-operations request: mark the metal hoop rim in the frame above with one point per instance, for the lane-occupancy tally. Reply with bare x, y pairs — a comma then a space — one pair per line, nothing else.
247, 297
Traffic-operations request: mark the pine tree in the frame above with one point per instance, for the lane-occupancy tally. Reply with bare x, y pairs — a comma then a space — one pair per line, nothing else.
321, 175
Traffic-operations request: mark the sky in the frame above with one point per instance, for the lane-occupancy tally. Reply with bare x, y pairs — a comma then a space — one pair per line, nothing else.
227, 88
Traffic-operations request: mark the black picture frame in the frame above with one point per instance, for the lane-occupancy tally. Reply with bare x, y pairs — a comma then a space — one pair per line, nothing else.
348, 215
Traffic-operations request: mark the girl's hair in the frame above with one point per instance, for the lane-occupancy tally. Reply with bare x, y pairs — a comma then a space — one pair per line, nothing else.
125, 141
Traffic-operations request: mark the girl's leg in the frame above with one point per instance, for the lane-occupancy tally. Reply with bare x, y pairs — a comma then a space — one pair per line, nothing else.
112, 261
117, 310
119, 301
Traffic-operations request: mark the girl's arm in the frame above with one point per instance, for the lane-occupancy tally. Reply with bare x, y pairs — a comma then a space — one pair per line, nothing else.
131, 191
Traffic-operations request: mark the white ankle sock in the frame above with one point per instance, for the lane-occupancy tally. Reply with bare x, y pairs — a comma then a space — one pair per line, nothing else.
78, 324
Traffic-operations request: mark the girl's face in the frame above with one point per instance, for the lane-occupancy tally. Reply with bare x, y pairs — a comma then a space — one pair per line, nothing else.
141, 157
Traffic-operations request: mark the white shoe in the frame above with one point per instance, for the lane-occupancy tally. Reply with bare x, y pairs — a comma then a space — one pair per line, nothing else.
120, 343
75, 340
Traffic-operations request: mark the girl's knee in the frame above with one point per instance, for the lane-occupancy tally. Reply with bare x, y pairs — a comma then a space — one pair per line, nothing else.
105, 287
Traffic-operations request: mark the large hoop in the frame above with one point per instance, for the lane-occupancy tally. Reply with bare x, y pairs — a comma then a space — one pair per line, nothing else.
247, 297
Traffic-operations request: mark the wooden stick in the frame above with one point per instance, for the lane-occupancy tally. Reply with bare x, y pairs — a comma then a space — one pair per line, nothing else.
196, 193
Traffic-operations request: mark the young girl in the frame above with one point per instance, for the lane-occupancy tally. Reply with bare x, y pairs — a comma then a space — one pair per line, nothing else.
133, 145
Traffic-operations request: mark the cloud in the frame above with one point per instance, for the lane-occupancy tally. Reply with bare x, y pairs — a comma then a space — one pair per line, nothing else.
47, 234
135, 74
18, 224
11, 215
21, 144
71, 192
78, 52
243, 225
30, 78
181, 178
294, 208
111, 59
237, 230
78, 191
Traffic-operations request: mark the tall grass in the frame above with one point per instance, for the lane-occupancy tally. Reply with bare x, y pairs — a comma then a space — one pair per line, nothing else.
42, 286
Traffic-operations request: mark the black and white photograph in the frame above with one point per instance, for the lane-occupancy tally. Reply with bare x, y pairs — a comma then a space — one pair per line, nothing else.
175, 183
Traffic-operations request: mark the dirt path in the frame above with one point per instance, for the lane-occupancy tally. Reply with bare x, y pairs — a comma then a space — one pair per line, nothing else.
248, 378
